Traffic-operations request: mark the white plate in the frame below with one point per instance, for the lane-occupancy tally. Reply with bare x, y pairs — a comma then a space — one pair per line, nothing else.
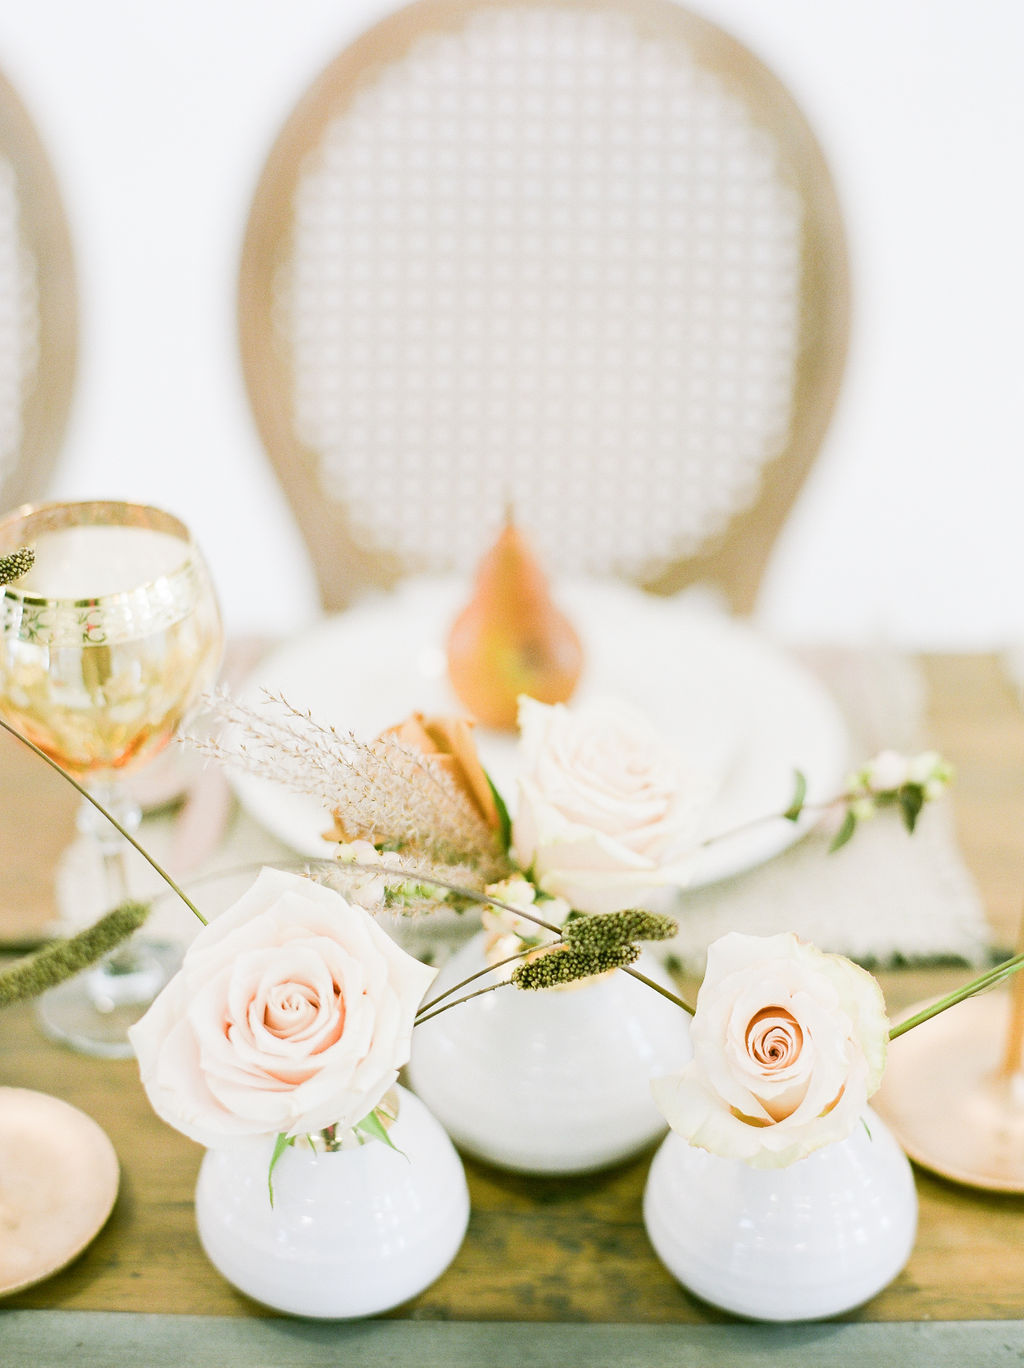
740, 712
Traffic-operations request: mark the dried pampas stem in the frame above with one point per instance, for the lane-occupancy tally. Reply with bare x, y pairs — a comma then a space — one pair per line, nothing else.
383, 792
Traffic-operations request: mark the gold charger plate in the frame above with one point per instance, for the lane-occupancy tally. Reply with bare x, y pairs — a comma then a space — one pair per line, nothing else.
945, 1100
58, 1181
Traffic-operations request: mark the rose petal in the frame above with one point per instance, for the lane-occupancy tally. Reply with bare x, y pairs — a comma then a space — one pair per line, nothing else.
291, 1012
787, 1044
602, 815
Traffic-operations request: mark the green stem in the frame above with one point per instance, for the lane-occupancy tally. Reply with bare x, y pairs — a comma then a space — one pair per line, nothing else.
820, 808
981, 984
487, 969
103, 811
665, 992
506, 907
426, 1014
479, 993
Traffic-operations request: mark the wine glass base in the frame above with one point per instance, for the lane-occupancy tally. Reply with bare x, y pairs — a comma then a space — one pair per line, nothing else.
93, 1011
946, 1102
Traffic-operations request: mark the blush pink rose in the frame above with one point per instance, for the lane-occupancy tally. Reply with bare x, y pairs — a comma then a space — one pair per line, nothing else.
603, 815
788, 1045
291, 1012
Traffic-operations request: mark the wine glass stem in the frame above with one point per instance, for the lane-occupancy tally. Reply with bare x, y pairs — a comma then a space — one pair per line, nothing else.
134, 972
108, 840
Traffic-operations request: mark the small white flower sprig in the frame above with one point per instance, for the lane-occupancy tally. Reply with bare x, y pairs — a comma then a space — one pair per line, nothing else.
890, 780
894, 780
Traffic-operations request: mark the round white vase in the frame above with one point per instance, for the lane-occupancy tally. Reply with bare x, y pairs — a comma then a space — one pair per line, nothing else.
350, 1233
797, 1243
551, 1081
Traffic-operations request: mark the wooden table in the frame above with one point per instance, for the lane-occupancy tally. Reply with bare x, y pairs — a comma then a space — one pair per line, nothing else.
562, 1266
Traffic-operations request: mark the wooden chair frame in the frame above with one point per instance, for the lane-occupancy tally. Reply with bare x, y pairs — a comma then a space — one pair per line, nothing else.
45, 232
734, 560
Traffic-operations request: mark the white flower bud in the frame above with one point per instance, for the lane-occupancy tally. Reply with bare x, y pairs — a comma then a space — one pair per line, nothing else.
888, 771
921, 768
361, 887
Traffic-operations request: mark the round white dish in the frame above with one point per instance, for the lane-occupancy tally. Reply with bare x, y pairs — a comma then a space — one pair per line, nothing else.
739, 711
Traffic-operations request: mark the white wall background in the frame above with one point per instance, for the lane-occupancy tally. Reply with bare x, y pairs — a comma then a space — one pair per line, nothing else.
158, 118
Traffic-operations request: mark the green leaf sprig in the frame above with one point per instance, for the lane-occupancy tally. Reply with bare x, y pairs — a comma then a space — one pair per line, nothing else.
887, 781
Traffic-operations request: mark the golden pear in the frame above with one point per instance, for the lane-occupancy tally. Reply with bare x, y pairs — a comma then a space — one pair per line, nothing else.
511, 639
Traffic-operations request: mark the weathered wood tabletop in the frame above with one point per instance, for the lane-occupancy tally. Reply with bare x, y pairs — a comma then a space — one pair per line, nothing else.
538, 1250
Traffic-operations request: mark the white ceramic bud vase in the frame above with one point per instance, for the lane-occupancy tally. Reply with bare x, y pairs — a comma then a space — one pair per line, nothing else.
351, 1232
798, 1243
551, 1081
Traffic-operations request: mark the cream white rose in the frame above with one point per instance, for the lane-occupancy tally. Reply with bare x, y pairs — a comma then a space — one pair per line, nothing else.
291, 1012
602, 816
788, 1045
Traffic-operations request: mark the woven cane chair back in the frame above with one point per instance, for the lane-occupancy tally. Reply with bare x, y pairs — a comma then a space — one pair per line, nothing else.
580, 259
38, 315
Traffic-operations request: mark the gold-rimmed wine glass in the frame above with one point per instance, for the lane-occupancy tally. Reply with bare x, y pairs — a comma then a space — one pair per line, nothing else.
105, 645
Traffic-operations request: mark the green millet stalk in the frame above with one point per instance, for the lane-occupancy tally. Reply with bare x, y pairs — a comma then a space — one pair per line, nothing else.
558, 967
59, 960
604, 931
15, 565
